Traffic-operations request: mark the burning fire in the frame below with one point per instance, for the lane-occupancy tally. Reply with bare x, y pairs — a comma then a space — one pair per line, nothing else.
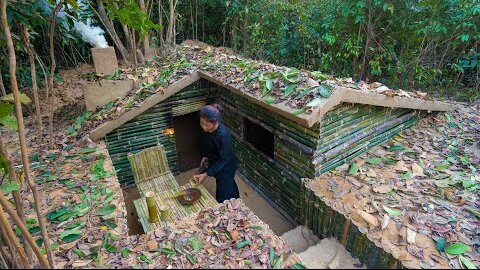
169, 131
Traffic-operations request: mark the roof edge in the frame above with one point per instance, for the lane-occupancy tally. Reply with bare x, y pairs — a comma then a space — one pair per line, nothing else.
107, 127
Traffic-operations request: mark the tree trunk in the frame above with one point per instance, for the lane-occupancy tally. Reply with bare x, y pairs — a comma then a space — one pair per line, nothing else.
3, 92
245, 27
367, 44
160, 22
31, 56
170, 40
16, 194
233, 32
21, 131
146, 43
135, 62
102, 15
53, 66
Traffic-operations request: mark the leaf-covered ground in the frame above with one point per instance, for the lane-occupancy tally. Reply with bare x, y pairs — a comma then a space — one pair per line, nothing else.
418, 195
299, 89
86, 218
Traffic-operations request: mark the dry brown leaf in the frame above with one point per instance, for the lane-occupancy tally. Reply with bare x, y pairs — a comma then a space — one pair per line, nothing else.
382, 189
417, 170
372, 220
385, 221
400, 166
152, 245
411, 235
234, 234
371, 173
81, 263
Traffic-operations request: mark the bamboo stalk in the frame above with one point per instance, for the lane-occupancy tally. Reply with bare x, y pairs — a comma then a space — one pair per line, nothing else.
11, 248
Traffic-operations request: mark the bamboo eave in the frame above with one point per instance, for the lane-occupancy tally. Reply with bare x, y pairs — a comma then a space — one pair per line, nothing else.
340, 94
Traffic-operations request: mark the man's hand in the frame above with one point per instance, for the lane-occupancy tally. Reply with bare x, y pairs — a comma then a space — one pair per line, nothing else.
204, 162
200, 178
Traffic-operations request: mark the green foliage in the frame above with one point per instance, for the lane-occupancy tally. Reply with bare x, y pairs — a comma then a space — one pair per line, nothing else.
129, 13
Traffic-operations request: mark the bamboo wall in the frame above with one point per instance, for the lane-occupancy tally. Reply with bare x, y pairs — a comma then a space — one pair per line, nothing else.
150, 129
278, 177
350, 130
328, 220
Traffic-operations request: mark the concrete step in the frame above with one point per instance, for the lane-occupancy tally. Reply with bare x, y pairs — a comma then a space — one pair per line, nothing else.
329, 253
300, 238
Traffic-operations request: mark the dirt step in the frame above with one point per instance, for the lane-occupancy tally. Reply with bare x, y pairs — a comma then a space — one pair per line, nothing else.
300, 238
328, 253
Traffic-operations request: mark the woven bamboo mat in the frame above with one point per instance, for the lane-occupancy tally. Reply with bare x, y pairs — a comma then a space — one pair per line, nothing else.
177, 211
158, 184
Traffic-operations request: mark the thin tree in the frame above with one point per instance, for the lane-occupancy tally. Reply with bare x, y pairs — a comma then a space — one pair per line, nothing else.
21, 130
2, 86
33, 72
16, 193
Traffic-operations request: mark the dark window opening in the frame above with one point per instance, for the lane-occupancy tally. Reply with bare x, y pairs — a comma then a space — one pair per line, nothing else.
259, 137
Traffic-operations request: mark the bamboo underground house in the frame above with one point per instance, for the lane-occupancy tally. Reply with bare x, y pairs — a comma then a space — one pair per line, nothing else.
277, 143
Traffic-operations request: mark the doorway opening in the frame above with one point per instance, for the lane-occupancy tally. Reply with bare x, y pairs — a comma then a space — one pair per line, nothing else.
188, 140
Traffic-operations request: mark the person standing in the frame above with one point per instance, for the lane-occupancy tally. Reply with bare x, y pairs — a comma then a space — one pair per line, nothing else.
218, 158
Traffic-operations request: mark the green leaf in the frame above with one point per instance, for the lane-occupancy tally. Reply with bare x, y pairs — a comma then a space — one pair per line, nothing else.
373, 161
392, 212
287, 91
168, 251
191, 259
34, 230
110, 248
304, 93
441, 242
299, 111
243, 244
10, 122
325, 90
6, 109
466, 262
299, 266
354, 168
456, 249
396, 148
87, 150
256, 227
70, 238
107, 210
24, 99
278, 262
269, 99
125, 252
272, 254
144, 259
195, 243
70, 232
247, 262
8, 187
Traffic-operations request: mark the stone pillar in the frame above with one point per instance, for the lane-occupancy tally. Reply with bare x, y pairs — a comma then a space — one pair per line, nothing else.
104, 60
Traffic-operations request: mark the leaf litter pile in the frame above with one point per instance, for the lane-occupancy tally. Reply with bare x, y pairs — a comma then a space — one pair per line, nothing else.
300, 90
228, 235
417, 196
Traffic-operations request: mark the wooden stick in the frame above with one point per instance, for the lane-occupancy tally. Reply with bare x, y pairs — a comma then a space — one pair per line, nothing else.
13, 215
21, 131
3, 256
9, 245
16, 193
10, 235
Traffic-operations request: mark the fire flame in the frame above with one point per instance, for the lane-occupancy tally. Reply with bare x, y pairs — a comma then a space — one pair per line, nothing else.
169, 131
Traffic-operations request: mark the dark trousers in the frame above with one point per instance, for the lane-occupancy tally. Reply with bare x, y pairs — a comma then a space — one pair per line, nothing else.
226, 186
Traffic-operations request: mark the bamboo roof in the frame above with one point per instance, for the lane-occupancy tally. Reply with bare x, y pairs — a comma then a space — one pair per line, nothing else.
299, 95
